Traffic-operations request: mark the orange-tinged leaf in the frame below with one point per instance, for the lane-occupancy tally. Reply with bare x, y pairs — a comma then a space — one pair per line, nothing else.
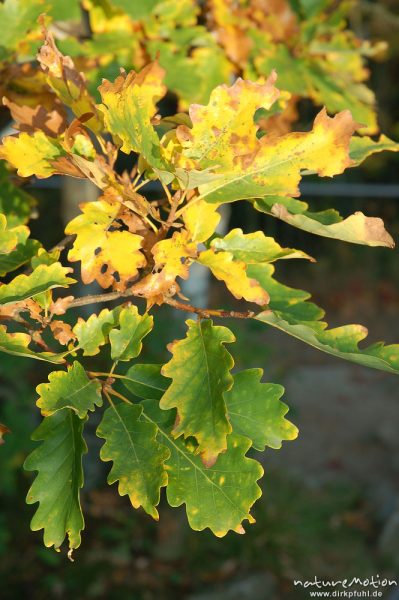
224, 128
223, 138
234, 274
62, 332
37, 118
171, 260
170, 254
109, 257
3, 430
67, 82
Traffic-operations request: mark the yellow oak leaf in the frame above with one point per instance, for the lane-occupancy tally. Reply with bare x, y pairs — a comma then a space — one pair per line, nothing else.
32, 154
110, 257
170, 254
171, 260
225, 129
223, 139
129, 103
201, 220
234, 274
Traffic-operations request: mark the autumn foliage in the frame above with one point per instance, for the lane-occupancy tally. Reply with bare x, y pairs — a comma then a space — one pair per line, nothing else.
186, 425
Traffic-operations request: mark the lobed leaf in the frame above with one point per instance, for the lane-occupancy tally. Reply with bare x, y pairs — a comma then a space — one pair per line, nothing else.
171, 260
252, 248
58, 461
235, 276
224, 129
42, 279
128, 106
146, 381
200, 373
223, 137
138, 459
109, 257
17, 344
93, 333
356, 229
219, 497
290, 312
255, 410
70, 389
34, 154
126, 342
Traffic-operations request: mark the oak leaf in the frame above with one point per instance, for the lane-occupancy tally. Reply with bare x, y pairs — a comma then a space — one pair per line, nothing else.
234, 274
255, 410
126, 342
129, 104
62, 332
58, 481
71, 389
290, 311
138, 459
110, 257
94, 332
200, 373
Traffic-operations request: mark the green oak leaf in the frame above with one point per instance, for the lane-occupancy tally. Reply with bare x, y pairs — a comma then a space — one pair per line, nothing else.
363, 147
17, 17
58, 461
219, 497
146, 381
126, 342
16, 248
137, 10
255, 410
42, 279
200, 373
8, 236
138, 459
254, 247
290, 311
356, 229
16, 204
17, 344
69, 389
93, 333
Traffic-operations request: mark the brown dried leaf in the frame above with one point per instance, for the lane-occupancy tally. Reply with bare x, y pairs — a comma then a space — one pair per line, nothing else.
62, 332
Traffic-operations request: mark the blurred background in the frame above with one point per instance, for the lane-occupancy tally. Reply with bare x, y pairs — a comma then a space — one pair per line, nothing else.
330, 504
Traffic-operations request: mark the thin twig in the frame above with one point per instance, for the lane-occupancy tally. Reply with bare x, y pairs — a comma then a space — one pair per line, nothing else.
96, 299
202, 312
63, 243
118, 395
208, 312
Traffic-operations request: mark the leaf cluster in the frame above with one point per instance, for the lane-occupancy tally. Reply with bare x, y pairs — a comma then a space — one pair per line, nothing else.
188, 425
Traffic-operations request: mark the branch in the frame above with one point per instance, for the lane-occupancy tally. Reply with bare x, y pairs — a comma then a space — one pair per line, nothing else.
202, 312
208, 312
97, 298
63, 243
